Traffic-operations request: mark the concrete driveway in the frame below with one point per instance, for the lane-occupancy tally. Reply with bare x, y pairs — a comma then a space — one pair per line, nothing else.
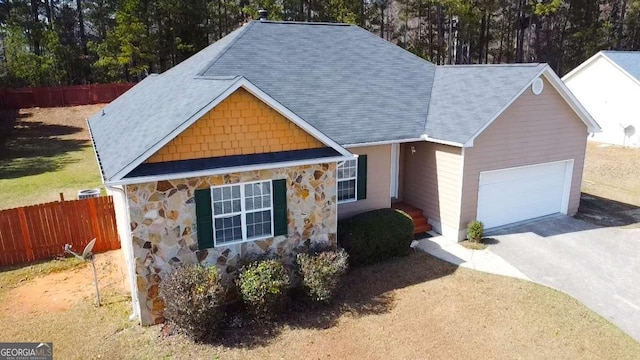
598, 266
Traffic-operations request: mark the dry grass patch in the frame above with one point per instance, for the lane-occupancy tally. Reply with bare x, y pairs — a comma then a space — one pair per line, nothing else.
12, 276
612, 172
415, 307
611, 195
472, 245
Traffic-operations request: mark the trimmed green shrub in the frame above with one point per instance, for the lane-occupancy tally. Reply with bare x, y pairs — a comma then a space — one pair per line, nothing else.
194, 297
376, 235
475, 230
263, 287
321, 273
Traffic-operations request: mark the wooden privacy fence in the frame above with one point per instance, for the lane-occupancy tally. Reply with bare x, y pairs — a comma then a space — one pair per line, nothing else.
60, 96
39, 232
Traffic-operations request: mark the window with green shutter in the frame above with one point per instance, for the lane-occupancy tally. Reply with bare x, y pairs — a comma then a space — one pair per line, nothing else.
234, 213
280, 222
352, 179
204, 218
362, 177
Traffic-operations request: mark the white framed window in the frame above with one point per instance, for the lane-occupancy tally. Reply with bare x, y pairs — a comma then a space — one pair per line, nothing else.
347, 181
242, 212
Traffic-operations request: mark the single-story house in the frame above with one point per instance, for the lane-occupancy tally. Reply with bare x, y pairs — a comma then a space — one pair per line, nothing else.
608, 86
260, 142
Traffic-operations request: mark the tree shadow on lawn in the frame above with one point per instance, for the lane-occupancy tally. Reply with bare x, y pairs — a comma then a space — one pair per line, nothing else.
364, 291
33, 147
7, 121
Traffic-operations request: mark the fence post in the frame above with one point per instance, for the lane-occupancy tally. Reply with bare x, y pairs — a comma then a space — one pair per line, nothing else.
95, 226
64, 102
25, 234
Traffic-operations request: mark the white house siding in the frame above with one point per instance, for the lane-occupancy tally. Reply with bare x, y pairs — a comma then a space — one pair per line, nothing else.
378, 181
432, 179
162, 216
611, 97
535, 129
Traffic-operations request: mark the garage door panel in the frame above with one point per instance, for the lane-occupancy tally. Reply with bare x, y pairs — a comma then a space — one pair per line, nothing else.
523, 173
511, 195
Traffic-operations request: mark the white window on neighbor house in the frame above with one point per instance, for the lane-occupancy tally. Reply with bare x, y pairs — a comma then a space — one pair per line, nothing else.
347, 180
242, 212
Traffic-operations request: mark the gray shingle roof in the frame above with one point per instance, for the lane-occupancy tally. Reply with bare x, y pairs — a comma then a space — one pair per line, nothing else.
145, 115
339, 78
346, 82
465, 97
627, 60
152, 109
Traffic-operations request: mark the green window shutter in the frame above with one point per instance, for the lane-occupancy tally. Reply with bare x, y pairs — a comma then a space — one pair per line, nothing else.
362, 177
204, 218
280, 223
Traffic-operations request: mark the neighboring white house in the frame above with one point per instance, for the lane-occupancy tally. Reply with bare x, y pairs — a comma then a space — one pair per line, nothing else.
608, 86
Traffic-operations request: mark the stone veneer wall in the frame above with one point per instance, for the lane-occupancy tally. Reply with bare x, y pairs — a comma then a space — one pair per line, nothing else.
163, 226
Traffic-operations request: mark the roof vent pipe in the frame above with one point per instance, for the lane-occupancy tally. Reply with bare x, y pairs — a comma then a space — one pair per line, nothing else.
263, 14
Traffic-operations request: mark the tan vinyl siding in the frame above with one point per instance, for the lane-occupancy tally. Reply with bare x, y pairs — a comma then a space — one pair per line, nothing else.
432, 178
533, 130
378, 181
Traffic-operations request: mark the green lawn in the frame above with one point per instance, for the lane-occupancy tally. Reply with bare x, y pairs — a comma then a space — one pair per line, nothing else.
66, 173
44, 152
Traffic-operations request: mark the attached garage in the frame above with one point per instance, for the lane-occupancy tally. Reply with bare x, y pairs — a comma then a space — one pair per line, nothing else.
503, 151
515, 194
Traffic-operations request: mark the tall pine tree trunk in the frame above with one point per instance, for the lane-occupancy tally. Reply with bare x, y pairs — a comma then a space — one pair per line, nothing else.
47, 10
623, 12
520, 32
430, 25
83, 35
441, 41
487, 39
483, 25
35, 27
219, 19
381, 18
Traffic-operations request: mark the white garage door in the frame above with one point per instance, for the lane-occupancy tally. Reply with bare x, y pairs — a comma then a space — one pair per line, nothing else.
515, 194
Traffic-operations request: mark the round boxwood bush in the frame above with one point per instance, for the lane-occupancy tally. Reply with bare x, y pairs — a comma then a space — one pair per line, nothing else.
263, 287
194, 297
376, 235
321, 273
